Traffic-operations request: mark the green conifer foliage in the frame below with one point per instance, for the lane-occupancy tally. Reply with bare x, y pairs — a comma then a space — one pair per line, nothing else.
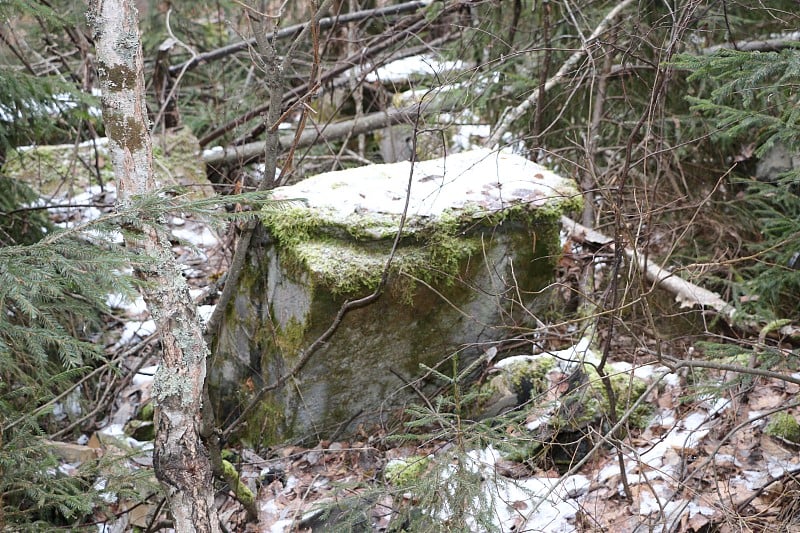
52, 299
751, 97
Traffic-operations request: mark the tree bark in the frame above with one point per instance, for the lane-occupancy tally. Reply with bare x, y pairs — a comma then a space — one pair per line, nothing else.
179, 458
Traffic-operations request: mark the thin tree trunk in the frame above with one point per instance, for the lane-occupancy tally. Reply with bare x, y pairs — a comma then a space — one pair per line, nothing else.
179, 458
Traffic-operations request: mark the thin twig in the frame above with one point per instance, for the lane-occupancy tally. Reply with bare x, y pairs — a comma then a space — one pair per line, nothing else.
514, 114
291, 31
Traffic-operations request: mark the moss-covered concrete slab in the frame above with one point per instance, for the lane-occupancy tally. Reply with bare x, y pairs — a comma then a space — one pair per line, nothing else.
562, 399
69, 169
478, 245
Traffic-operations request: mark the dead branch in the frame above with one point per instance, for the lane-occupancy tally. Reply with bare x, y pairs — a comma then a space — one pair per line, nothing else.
332, 132
293, 30
765, 45
687, 294
512, 115
297, 93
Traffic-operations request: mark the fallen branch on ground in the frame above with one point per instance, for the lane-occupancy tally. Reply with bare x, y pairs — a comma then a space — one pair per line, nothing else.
687, 294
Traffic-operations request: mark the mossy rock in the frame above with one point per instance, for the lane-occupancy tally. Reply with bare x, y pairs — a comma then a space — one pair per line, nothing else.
784, 426
472, 262
405, 473
627, 390
556, 419
141, 430
146, 412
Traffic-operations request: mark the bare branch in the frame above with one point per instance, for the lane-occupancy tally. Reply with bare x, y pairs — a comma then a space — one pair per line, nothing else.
766, 45
292, 31
297, 93
365, 124
512, 115
687, 294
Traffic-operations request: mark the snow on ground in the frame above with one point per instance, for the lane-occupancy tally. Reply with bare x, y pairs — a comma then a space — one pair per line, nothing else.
534, 503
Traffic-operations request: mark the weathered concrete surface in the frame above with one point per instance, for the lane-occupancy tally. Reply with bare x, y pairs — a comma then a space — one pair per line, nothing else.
479, 244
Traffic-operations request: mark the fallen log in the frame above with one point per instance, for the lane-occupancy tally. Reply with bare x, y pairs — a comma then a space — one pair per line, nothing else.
332, 132
687, 294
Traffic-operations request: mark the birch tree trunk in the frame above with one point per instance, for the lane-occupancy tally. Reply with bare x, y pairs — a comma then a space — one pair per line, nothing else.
180, 459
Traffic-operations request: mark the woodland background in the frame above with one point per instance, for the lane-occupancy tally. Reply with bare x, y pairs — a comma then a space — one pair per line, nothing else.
679, 120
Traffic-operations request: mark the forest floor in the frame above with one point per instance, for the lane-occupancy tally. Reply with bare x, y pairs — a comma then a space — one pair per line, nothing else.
705, 461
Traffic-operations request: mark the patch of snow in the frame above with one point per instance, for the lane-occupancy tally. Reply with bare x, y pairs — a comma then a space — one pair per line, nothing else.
755, 479
68, 469
695, 509
650, 503
724, 459
508, 361
399, 71
59, 103
464, 134
664, 417
576, 485
685, 434
100, 142
114, 430
145, 376
120, 301
716, 405
694, 421
533, 504
107, 497
282, 526
91, 213
580, 352
291, 482
88, 195
117, 431
71, 407
101, 236
482, 181
136, 328
608, 471
542, 419
210, 152
203, 238
777, 467
623, 367
672, 379
647, 371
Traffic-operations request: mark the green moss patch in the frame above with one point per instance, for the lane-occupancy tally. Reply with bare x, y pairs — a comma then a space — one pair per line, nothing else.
70, 169
784, 426
349, 259
404, 473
